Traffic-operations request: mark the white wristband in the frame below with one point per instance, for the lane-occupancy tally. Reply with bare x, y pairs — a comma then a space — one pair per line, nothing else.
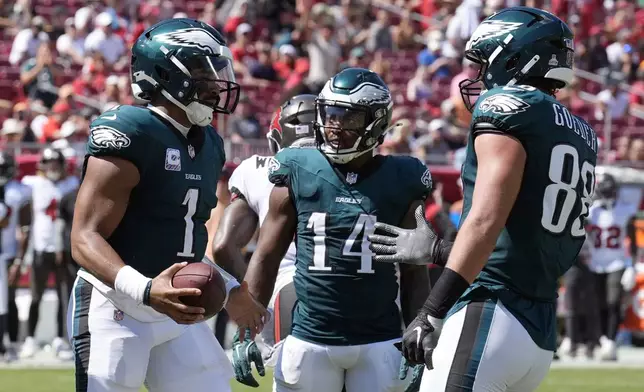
131, 283
230, 280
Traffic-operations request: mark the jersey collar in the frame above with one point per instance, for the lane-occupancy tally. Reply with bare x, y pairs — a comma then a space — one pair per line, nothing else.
184, 130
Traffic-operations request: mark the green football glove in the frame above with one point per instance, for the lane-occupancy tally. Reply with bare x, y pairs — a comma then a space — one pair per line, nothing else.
244, 352
416, 377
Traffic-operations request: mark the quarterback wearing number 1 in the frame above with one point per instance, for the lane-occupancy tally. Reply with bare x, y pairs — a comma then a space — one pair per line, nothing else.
528, 179
149, 183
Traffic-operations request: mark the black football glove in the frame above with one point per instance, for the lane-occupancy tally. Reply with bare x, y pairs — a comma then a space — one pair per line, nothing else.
420, 338
246, 351
419, 246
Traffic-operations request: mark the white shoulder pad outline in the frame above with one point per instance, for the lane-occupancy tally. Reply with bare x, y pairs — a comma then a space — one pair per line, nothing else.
104, 136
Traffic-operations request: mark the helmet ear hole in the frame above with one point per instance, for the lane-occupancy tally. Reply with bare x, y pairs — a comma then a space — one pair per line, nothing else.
163, 74
512, 62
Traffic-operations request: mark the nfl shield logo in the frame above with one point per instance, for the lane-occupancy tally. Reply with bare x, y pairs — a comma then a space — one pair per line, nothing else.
191, 151
352, 178
118, 315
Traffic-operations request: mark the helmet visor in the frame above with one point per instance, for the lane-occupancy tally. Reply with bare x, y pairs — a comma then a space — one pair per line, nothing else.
343, 118
215, 82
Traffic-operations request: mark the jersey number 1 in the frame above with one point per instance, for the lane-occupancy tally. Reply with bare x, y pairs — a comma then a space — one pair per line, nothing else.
190, 200
364, 225
561, 196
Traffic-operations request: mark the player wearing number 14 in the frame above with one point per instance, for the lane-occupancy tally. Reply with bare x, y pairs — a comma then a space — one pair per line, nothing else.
346, 319
150, 180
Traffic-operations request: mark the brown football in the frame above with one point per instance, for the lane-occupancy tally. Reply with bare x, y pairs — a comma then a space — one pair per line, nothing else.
206, 278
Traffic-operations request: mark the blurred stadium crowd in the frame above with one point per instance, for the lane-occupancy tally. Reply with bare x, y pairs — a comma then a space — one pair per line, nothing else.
63, 62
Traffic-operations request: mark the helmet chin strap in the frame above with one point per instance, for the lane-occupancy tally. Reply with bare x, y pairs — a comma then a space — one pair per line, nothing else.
197, 113
342, 159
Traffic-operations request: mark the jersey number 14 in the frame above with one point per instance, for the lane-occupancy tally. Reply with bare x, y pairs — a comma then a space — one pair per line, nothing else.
364, 225
561, 196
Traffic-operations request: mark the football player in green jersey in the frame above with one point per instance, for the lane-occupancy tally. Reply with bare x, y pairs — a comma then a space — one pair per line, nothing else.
528, 179
149, 183
346, 319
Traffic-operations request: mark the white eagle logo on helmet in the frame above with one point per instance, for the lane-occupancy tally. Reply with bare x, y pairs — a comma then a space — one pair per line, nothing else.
107, 137
193, 37
503, 104
491, 28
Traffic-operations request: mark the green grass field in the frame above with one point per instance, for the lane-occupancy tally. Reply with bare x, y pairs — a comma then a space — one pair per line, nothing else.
559, 380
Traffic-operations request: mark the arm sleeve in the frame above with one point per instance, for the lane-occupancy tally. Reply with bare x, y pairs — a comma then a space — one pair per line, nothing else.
118, 139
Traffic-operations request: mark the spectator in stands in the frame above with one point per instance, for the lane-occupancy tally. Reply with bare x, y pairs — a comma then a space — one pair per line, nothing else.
285, 64
356, 58
615, 51
243, 48
622, 147
324, 54
419, 87
378, 36
431, 147
21, 112
431, 56
262, 68
399, 139
209, 15
381, 66
38, 76
637, 92
636, 152
57, 28
27, 41
591, 55
147, 16
12, 131
244, 125
111, 95
104, 41
404, 34
60, 114
569, 96
237, 16
613, 100
71, 45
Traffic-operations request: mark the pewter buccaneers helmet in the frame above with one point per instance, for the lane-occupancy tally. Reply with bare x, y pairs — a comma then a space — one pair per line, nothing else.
292, 124
517, 45
189, 63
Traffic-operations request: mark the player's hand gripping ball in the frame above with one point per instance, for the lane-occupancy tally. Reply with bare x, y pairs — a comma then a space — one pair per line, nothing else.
207, 279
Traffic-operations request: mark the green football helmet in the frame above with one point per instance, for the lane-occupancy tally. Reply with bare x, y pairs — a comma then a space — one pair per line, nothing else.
519, 45
188, 62
353, 112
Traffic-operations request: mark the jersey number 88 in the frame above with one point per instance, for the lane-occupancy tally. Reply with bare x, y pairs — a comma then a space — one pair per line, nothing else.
561, 196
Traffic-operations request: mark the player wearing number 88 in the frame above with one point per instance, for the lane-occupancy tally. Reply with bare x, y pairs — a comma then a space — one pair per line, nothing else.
346, 319
528, 180
150, 180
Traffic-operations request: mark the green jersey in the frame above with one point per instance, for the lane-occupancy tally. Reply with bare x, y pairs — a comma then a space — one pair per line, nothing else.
164, 222
343, 297
545, 229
